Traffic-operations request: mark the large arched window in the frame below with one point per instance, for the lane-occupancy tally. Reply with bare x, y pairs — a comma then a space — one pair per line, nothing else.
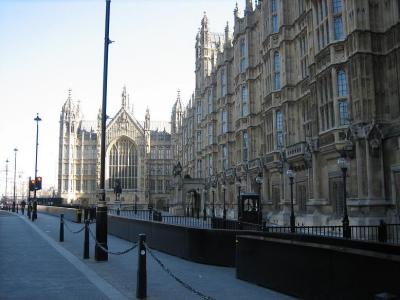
342, 98
123, 164
277, 70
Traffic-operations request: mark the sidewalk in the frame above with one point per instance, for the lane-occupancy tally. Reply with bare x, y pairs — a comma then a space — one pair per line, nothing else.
35, 265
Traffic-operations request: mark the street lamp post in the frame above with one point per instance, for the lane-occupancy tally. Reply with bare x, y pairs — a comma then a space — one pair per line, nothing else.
259, 181
136, 197
34, 210
213, 203
15, 177
290, 173
213, 185
5, 192
101, 216
204, 205
344, 165
224, 211
118, 191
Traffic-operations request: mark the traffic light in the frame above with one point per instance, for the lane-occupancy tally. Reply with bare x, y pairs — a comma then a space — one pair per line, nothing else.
32, 185
38, 185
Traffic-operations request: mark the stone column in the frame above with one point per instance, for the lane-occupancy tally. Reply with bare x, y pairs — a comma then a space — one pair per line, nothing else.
383, 192
316, 190
359, 161
369, 171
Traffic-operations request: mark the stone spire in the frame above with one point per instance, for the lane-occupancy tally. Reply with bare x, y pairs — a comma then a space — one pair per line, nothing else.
147, 119
236, 11
227, 35
68, 103
123, 97
178, 98
204, 22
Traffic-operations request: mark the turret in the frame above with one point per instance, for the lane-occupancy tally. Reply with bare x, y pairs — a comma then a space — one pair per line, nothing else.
249, 7
147, 120
204, 23
147, 130
176, 114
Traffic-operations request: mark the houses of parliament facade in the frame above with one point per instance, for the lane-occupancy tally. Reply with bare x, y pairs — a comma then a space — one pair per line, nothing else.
296, 85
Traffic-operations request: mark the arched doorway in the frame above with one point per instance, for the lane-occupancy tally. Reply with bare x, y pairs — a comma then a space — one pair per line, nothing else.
193, 203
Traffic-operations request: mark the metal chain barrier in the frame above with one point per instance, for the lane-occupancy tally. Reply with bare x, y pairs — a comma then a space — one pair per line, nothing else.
184, 284
69, 229
108, 251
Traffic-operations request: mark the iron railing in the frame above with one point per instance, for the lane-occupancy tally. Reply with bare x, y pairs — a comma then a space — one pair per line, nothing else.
386, 233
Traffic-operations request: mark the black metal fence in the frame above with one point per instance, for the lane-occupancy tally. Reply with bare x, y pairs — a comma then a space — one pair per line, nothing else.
386, 233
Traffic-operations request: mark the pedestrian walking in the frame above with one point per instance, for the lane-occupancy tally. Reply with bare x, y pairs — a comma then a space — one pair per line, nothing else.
23, 203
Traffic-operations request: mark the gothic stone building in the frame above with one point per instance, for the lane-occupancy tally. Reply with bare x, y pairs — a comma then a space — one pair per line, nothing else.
137, 156
298, 84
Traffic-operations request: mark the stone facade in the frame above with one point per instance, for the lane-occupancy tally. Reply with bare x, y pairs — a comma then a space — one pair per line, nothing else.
298, 84
135, 154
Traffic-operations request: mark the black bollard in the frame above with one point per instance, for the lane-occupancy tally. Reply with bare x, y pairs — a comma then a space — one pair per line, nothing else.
141, 282
34, 211
62, 228
78, 215
92, 213
17, 207
86, 240
118, 212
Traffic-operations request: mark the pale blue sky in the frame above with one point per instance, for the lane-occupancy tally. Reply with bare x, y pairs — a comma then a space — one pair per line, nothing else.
49, 46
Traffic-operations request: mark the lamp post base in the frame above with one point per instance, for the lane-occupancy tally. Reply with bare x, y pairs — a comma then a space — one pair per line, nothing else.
346, 228
292, 223
101, 233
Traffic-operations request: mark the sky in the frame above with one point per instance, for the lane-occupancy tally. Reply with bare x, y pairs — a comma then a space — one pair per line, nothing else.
50, 46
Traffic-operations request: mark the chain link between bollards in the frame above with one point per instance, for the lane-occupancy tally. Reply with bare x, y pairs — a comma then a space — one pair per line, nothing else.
70, 230
108, 251
184, 284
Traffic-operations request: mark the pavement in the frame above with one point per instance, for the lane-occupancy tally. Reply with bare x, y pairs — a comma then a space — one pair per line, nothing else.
35, 265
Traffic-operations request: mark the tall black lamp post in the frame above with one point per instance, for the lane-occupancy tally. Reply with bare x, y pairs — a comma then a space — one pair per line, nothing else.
118, 192
136, 198
15, 177
101, 215
5, 192
344, 165
204, 203
259, 181
214, 184
224, 210
34, 208
290, 173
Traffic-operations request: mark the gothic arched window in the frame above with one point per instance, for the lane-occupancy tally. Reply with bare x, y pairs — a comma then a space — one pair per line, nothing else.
123, 164
277, 70
342, 83
342, 94
274, 12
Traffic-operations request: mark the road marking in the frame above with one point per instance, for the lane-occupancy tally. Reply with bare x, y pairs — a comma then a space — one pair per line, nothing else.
106, 288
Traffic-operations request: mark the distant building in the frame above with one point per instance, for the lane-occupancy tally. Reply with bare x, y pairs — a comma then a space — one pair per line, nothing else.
296, 85
136, 156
